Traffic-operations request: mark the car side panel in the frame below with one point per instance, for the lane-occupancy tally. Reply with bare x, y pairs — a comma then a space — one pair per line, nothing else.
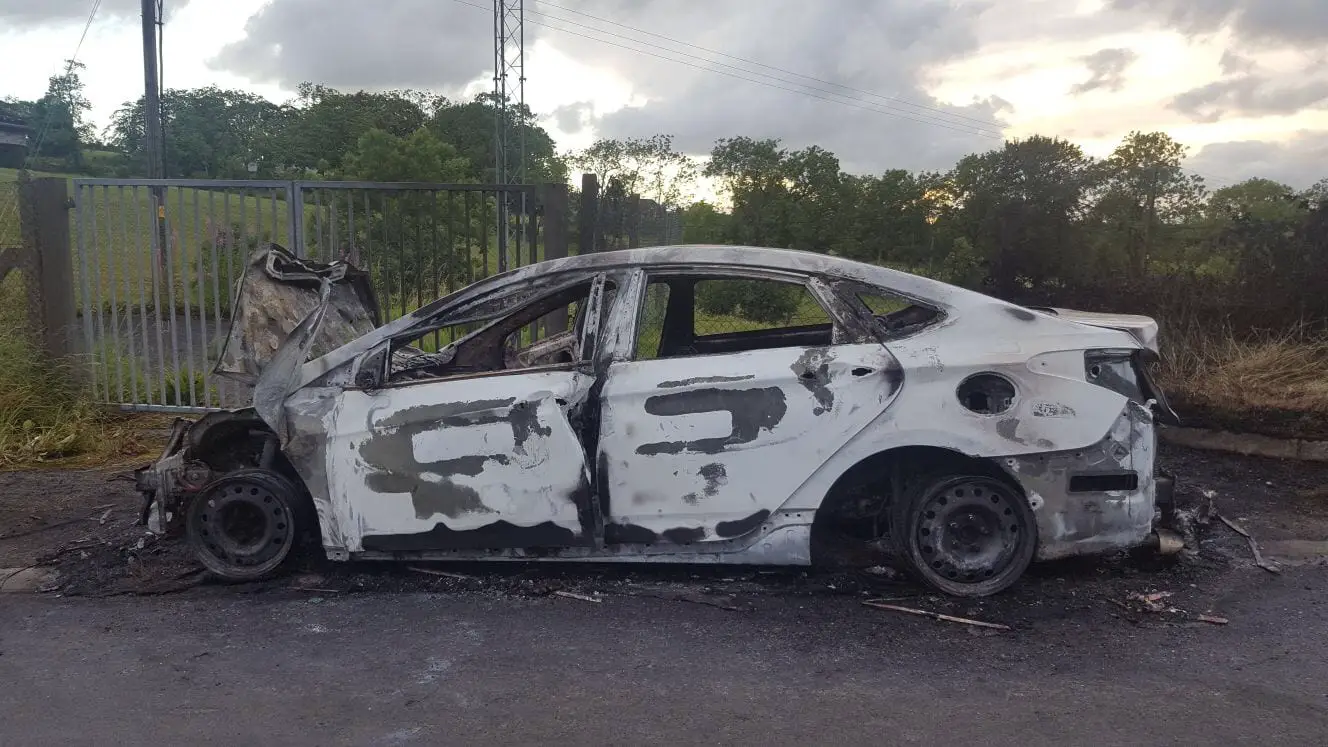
706, 448
483, 462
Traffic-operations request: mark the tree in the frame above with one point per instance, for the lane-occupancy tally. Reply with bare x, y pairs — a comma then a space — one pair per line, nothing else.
781, 198
649, 167
1317, 194
702, 223
418, 157
210, 133
470, 127
1261, 199
327, 123
57, 118
1020, 208
1146, 190
410, 222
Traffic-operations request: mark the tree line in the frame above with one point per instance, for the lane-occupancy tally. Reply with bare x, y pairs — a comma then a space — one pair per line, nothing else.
1035, 220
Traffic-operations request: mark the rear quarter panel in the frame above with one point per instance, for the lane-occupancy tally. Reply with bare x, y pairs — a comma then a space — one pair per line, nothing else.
1055, 408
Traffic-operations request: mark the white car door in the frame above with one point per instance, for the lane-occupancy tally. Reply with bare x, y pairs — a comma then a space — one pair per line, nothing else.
476, 460
707, 428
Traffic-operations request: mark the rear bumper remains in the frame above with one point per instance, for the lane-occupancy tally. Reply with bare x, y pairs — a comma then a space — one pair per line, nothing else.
1097, 499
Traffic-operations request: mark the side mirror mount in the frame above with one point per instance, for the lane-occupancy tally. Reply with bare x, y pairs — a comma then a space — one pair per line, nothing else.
371, 368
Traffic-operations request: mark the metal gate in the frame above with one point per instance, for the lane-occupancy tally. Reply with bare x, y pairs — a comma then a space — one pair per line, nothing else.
154, 302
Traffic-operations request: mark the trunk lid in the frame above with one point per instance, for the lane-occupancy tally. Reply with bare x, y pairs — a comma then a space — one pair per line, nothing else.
1141, 328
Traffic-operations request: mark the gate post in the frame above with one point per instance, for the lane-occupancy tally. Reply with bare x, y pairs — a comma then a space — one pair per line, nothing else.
44, 216
294, 218
587, 242
634, 221
553, 207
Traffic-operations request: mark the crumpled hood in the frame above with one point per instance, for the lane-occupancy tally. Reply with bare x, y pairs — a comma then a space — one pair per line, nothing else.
278, 291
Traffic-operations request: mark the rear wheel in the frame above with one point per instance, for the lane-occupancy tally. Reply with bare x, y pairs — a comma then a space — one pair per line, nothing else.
966, 535
242, 526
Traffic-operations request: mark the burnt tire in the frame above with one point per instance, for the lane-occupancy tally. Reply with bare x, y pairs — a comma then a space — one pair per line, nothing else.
966, 535
243, 525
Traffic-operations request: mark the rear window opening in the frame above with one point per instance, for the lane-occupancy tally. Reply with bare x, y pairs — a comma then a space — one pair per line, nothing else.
897, 316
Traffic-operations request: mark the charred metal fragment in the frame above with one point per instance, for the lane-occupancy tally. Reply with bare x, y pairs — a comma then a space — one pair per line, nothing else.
738, 528
752, 411
276, 291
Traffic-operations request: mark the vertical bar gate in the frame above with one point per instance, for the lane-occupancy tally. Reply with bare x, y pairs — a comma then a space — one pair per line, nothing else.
152, 330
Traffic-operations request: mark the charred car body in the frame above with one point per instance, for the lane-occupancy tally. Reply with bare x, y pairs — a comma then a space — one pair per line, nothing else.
961, 434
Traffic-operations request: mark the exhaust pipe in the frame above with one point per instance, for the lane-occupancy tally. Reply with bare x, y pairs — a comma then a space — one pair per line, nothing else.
1165, 542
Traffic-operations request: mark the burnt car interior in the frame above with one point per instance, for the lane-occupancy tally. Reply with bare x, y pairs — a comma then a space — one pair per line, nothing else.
501, 345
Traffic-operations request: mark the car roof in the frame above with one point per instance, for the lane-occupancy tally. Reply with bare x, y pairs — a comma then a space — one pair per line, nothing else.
723, 255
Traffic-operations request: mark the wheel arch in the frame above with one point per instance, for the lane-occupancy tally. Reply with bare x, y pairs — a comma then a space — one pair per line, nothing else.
869, 485
234, 440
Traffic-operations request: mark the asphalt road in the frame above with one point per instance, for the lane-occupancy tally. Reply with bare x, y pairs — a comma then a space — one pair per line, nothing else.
297, 668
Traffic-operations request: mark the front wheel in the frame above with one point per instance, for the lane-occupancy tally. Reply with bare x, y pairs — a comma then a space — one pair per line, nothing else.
967, 535
242, 526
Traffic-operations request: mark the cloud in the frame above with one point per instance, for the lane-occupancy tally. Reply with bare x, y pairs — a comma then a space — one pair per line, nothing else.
1303, 23
1233, 63
1107, 70
1250, 94
574, 117
1299, 162
23, 13
885, 47
388, 44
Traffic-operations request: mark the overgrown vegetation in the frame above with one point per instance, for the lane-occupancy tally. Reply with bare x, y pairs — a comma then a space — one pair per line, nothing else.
46, 412
1274, 383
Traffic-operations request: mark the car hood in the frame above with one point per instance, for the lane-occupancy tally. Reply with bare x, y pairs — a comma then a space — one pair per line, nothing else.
277, 293
1142, 328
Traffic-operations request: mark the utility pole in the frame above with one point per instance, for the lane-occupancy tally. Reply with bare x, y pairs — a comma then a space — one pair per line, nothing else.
152, 131
509, 61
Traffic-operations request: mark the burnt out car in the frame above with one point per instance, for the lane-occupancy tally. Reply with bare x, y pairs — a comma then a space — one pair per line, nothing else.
695, 404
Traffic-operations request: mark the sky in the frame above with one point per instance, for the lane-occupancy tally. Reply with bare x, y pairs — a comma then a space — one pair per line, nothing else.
913, 84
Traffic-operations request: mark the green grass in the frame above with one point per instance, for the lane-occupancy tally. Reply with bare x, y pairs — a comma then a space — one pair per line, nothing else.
47, 411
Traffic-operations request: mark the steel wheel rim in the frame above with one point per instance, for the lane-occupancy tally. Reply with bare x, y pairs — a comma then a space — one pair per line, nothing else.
968, 531
244, 524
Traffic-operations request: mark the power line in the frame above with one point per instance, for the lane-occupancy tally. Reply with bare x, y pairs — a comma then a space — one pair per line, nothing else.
69, 69
954, 126
984, 122
41, 136
842, 100
990, 126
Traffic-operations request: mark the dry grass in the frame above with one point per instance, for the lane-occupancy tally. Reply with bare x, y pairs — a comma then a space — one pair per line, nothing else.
46, 414
1270, 383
